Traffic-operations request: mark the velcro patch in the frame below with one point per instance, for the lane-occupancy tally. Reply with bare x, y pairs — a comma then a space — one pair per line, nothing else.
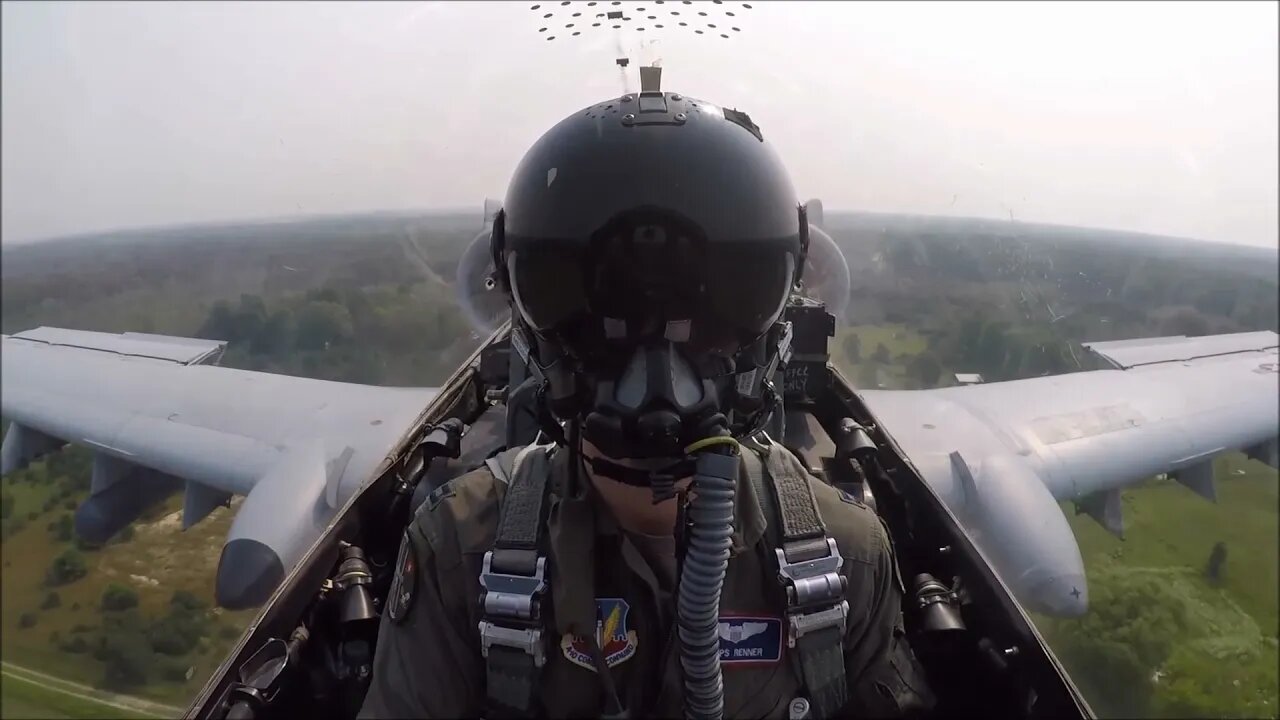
750, 639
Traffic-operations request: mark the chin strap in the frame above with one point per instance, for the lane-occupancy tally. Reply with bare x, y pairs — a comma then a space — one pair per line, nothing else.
662, 480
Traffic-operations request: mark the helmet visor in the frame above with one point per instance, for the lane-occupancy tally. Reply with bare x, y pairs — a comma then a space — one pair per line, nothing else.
646, 280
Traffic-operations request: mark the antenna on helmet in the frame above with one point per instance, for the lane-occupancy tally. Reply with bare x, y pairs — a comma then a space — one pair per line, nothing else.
650, 79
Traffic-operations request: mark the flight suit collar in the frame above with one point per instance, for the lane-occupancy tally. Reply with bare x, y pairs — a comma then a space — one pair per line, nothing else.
577, 517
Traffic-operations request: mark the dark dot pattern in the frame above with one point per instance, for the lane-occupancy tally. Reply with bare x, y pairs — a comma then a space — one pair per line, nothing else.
704, 24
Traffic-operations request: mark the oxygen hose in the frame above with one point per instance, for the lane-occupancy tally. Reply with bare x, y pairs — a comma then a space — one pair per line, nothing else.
706, 560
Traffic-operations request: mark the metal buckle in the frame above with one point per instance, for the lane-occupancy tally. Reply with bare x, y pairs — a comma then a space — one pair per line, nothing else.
514, 597
803, 623
527, 639
812, 583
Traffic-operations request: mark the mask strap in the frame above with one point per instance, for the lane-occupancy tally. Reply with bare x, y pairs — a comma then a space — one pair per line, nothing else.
662, 481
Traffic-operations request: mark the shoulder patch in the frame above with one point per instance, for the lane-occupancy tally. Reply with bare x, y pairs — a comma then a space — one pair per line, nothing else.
847, 497
439, 495
750, 639
405, 585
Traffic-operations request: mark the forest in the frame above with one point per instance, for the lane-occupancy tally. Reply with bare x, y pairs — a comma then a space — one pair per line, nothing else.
370, 299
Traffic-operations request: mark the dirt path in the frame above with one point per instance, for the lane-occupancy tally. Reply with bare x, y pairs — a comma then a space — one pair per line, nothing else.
84, 692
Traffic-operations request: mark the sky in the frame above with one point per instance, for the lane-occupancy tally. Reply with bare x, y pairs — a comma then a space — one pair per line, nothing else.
1147, 116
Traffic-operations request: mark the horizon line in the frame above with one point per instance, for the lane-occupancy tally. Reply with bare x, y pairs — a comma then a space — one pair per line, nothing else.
478, 211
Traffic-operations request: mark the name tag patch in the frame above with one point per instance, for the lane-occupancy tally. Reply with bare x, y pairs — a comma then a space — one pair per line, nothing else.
750, 639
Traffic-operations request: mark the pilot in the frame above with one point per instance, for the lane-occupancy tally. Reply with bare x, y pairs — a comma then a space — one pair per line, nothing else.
654, 553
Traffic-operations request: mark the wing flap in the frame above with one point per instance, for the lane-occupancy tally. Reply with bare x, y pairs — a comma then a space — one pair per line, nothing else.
1127, 354
183, 351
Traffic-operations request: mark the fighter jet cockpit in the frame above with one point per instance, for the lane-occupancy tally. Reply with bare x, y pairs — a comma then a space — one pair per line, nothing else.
314, 647
802, 360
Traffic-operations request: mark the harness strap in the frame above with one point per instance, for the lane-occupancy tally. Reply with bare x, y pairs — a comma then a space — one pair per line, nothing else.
808, 565
514, 580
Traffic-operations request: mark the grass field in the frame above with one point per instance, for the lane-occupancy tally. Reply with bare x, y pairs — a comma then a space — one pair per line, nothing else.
1167, 525
1222, 657
897, 339
21, 699
160, 559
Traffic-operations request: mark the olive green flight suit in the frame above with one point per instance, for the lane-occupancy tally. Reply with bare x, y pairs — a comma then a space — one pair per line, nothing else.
429, 664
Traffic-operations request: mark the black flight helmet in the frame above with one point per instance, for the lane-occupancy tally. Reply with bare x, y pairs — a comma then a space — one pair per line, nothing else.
648, 220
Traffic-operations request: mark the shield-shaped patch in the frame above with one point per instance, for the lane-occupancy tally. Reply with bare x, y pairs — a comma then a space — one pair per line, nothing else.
617, 643
405, 585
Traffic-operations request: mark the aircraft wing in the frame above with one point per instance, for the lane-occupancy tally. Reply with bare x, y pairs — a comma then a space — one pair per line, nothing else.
1003, 455
159, 416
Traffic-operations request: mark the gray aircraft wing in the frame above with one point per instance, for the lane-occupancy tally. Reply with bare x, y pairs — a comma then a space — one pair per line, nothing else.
160, 416
1003, 455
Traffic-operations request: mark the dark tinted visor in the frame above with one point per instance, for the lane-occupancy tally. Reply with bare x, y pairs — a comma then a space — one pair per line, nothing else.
646, 280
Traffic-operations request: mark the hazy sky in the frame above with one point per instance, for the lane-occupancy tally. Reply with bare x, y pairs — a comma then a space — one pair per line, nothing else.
1146, 116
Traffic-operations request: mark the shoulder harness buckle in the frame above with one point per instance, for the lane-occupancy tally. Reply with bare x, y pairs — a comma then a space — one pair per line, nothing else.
815, 587
515, 598
514, 582
808, 566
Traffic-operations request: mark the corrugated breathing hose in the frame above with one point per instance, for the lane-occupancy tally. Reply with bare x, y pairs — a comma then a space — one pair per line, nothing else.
706, 561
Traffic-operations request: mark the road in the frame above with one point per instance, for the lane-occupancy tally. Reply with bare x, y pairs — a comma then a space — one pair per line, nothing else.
126, 703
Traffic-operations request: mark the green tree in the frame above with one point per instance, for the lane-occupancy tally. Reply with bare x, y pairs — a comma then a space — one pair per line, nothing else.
250, 316
926, 369
27, 620
63, 528
1186, 321
118, 597
321, 323
219, 324
185, 600
968, 339
325, 294
6, 505
1196, 684
75, 645
124, 652
992, 349
278, 333
881, 354
853, 348
180, 631
1132, 626
51, 601
66, 568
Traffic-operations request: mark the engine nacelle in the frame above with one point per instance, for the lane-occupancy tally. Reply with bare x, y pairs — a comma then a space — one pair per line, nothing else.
475, 286
826, 272
1015, 521
279, 519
